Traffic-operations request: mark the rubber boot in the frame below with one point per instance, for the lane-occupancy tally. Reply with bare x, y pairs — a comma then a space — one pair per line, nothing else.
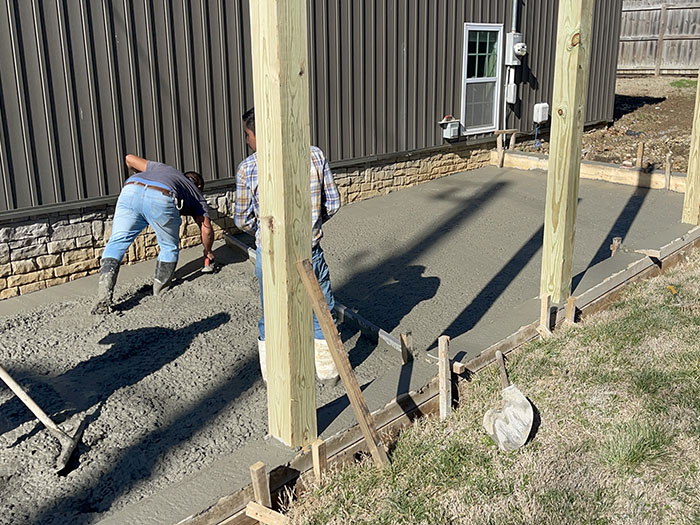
164, 272
263, 359
109, 270
325, 366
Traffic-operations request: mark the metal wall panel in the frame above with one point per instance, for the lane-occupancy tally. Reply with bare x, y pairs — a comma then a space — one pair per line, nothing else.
84, 82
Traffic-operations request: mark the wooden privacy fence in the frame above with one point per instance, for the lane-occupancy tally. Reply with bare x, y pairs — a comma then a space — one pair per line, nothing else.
659, 39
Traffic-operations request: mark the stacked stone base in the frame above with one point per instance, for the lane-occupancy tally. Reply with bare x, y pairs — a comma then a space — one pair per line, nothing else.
56, 248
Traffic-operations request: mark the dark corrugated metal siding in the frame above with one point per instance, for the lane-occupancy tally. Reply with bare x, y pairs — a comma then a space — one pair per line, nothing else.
82, 83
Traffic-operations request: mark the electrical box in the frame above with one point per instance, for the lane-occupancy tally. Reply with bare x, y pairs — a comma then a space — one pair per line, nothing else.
451, 127
541, 113
515, 48
511, 93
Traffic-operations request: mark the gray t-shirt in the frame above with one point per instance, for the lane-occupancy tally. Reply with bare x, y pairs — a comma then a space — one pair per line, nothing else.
190, 200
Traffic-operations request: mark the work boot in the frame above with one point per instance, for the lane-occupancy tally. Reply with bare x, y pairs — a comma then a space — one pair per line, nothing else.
109, 270
325, 366
164, 272
263, 359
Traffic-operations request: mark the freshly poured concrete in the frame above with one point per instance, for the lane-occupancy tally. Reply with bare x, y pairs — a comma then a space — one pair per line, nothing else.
457, 256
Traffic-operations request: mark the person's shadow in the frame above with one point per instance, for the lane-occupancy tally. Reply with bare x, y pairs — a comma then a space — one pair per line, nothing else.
134, 355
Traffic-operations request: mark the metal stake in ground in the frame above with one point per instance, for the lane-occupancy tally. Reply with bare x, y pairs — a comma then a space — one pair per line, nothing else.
68, 443
342, 363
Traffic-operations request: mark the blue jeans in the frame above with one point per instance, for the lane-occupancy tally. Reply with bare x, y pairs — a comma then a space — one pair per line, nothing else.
323, 275
138, 207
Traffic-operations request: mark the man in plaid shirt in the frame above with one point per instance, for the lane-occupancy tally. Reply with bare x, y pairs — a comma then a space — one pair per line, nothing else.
325, 202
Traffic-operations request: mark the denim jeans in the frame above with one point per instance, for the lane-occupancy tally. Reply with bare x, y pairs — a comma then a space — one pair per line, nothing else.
138, 207
323, 275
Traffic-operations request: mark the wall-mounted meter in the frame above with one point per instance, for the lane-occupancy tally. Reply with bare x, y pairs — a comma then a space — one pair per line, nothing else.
515, 48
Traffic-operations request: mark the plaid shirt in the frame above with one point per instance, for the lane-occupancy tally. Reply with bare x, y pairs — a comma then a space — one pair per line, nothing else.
325, 199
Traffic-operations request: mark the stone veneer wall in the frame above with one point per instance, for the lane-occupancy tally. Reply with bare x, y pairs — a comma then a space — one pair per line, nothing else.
55, 248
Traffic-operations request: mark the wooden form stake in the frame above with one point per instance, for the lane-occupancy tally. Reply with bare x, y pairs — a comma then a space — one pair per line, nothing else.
691, 203
571, 310
406, 347
574, 46
615, 245
264, 515
667, 185
640, 155
544, 329
281, 89
342, 363
444, 377
261, 484
319, 457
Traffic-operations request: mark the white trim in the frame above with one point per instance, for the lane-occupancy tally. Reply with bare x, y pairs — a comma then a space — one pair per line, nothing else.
496, 80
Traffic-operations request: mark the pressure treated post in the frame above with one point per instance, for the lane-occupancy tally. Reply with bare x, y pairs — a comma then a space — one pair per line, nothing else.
568, 115
281, 89
691, 203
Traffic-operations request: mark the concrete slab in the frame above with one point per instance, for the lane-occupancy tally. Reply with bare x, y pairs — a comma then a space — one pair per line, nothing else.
458, 256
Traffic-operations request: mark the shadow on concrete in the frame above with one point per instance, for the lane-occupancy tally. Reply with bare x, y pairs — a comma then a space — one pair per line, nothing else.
134, 354
137, 462
391, 288
488, 295
620, 228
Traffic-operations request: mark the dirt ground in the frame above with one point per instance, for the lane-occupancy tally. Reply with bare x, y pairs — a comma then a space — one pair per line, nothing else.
649, 109
165, 386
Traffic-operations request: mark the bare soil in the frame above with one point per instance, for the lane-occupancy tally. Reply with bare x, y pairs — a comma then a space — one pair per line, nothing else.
649, 110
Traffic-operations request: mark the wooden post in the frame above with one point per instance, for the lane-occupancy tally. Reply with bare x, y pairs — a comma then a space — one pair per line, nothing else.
574, 48
261, 485
663, 22
342, 363
406, 347
667, 185
444, 377
545, 327
281, 89
499, 149
691, 203
571, 310
319, 457
263, 514
616, 243
640, 154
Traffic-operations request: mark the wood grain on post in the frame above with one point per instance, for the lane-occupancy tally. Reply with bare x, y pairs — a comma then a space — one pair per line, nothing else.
544, 328
574, 46
571, 310
342, 363
640, 154
319, 457
281, 89
261, 484
444, 377
691, 202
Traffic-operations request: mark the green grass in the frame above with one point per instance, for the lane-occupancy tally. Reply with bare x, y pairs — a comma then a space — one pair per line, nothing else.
634, 444
684, 83
620, 409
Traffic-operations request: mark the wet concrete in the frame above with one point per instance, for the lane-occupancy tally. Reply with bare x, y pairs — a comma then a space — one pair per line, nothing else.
170, 386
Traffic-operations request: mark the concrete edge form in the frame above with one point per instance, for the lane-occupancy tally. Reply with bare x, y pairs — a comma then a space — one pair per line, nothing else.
398, 413
597, 171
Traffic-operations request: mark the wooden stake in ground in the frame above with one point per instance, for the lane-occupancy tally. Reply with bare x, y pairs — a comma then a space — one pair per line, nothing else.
574, 48
691, 203
281, 88
545, 326
615, 245
264, 515
640, 155
342, 363
261, 484
406, 347
319, 457
571, 310
667, 184
444, 377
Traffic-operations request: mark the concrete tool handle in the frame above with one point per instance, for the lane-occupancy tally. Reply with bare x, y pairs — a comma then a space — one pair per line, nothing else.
505, 383
31, 405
